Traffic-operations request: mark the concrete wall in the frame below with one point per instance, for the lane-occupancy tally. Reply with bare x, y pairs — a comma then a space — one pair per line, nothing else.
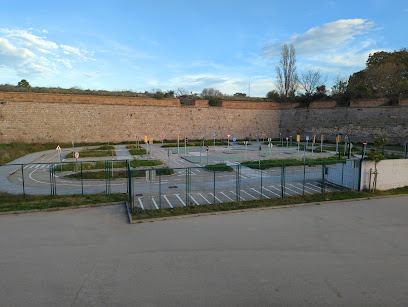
359, 123
66, 118
391, 174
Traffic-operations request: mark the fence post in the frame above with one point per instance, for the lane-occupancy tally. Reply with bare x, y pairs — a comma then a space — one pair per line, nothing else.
214, 187
323, 189
160, 201
304, 177
238, 183
130, 186
283, 181
261, 185
82, 181
22, 177
188, 186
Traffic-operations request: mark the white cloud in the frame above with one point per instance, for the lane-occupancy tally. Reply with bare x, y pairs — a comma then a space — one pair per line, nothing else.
324, 37
31, 55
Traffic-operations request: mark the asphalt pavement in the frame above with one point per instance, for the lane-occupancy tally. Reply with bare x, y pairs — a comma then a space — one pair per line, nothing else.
339, 254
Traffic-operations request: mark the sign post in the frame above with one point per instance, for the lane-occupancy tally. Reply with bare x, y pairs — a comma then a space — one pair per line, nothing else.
298, 141
287, 142
76, 156
314, 141
321, 143
307, 140
263, 136
338, 139
364, 150
147, 145
234, 140
228, 136
214, 135
151, 142
345, 144
246, 149
270, 149
185, 146
208, 148
178, 144
162, 137
260, 148
290, 140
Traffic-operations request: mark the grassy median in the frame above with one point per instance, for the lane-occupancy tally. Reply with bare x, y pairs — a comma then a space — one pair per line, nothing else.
264, 203
11, 202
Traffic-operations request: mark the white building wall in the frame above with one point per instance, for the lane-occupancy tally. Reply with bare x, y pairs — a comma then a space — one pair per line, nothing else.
391, 174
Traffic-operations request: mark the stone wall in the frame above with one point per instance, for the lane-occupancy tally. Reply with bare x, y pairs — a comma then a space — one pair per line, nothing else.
360, 124
64, 118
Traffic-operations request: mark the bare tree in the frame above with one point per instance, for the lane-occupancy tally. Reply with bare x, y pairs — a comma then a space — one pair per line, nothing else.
310, 80
286, 71
181, 91
207, 92
339, 86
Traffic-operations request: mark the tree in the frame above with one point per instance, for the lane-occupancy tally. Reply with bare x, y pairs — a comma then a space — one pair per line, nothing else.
207, 92
239, 95
23, 83
181, 92
310, 80
286, 72
339, 86
376, 154
273, 95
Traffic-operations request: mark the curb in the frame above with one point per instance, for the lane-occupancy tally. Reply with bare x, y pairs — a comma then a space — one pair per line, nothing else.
128, 212
159, 219
60, 208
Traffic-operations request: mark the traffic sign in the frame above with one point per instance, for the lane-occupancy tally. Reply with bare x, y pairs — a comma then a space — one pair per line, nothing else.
162, 136
307, 138
322, 138
58, 148
76, 155
263, 133
228, 135
234, 139
208, 148
214, 134
338, 139
287, 138
298, 138
145, 138
365, 143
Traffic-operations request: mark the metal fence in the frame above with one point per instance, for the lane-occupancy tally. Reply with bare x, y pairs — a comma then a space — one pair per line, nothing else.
160, 189
156, 188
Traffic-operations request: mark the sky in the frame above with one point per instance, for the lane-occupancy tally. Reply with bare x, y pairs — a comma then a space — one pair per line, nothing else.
192, 45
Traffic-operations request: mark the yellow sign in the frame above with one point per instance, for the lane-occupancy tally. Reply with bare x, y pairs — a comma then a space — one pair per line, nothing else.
322, 138
145, 138
298, 138
178, 138
338, 139
314, 139
151, 141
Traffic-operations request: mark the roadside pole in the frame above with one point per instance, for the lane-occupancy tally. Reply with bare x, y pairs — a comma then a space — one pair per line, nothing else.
321, 143
178, 144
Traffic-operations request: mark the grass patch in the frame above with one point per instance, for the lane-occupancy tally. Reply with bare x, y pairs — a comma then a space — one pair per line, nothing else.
102, 175
141, 163
265, 164
220, 167
102, 151
11, 202
264, 203
136, 150
87, 166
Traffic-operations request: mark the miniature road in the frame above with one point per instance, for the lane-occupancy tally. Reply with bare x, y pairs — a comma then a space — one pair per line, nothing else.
351, 253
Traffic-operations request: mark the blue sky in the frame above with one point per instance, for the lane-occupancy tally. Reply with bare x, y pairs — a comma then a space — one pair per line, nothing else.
145, 45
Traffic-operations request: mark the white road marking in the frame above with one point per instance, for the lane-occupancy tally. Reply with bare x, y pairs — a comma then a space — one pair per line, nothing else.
193, 199
204, 198
314, 187
271, 192
215, 197
249, 194
141, 204
154, 202
260, 193
20, 179
227, 196
237, 195
300, 188
286, 188
176, 162
180, 199
165, 197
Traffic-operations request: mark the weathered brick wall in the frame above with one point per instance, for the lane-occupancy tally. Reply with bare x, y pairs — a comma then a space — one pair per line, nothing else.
33, 117
44, 120
360, 124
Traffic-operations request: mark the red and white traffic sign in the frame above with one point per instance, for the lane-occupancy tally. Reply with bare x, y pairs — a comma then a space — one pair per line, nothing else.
365, 143
162, 136
58, 148
76, 155
208, 148
287, 138
228, 135
263, 133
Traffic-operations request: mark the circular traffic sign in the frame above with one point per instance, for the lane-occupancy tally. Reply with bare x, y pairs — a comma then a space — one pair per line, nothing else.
263, 133
76, 155
364, 143
208, 148
162, 136
234, 139
214, 135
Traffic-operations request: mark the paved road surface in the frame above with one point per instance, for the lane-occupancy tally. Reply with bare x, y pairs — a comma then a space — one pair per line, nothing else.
352, 253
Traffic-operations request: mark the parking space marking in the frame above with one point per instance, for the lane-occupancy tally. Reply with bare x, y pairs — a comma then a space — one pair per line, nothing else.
286, 188
249, 194
286, 192
154, 202
140, 202
237, 195
165, 197
301, 189
180, 199
204, 198
216, 197
314, 187
271, 192
193, 199
226, 196
263, 195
